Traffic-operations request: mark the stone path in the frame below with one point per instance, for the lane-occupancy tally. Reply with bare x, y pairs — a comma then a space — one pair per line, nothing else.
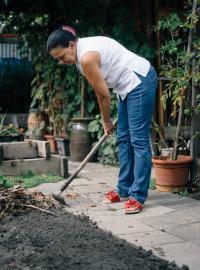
169, 224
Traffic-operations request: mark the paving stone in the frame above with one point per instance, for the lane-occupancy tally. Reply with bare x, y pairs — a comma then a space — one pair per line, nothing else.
196, 243
153, 211
91, 188
115, 206
168, 221
98, 208
160, 196
182, 253
190, 232
118, 225
78, 181
96, 197
48, 188
178, 202
150, 238
99, 215
194, 212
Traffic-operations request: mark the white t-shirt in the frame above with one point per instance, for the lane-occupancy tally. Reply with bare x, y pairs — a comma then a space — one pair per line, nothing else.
118, 64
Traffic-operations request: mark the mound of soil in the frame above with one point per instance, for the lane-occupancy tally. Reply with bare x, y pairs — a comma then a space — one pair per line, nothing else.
39, 241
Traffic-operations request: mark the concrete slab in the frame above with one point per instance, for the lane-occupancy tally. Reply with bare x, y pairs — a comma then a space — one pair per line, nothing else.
182, 253
196, 243
117, 225
193, 213
150, 238
190, 232
79, 181
48, 189
152, 211
95, 197
178, 202
91, 188
168, 221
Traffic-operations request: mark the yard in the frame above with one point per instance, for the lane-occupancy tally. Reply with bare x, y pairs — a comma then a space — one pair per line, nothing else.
45, 104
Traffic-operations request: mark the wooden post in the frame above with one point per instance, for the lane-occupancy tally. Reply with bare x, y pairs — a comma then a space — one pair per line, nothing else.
82, 97
160, 83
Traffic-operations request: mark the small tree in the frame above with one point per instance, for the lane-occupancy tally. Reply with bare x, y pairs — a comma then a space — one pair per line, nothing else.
179, 53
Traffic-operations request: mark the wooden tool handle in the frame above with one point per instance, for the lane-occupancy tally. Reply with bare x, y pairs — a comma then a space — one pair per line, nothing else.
86, 159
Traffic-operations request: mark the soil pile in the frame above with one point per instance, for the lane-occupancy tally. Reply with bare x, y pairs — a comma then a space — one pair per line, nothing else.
38, 241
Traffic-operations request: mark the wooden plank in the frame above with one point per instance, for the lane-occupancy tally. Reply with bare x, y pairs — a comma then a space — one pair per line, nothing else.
64, 167
19, 150
1, 153
38, 166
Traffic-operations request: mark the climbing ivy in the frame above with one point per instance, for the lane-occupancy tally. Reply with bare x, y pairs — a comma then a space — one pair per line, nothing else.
111, 18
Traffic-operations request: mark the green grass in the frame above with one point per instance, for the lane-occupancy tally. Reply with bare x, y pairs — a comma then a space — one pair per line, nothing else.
28, 179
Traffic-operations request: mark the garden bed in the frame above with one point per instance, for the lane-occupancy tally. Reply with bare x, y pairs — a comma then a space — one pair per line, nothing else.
36, 240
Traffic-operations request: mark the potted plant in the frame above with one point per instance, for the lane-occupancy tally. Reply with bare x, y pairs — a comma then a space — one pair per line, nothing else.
10, 133
178, 54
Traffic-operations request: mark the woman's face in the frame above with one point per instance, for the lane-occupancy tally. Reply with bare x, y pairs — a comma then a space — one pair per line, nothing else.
65, 56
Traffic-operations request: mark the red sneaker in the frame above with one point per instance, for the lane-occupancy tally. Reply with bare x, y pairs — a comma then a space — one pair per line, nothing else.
113, 197
132, 206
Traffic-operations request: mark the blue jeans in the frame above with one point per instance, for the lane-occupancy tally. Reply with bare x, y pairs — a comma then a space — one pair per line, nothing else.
133, 130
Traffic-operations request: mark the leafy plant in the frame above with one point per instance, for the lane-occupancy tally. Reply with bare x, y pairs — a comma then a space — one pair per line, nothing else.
49, 77
108, 153
8, 129
180, 53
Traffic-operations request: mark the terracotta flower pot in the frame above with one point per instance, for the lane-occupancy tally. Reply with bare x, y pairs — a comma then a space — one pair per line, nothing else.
171, 175
52, 142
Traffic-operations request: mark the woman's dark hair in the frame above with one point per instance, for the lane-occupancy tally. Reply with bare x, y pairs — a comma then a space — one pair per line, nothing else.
61, 37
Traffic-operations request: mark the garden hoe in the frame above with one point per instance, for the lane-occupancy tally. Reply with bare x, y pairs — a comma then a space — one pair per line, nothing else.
60, 198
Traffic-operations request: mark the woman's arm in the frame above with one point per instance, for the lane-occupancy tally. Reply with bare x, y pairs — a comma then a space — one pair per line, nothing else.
90, 63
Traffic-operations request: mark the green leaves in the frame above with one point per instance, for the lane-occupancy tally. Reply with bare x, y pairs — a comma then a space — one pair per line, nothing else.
108, 153
175, 58
172, 23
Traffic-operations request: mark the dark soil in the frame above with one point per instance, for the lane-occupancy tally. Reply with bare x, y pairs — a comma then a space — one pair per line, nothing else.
38, 241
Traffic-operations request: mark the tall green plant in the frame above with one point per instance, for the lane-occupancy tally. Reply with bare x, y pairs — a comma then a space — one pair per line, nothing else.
179, 51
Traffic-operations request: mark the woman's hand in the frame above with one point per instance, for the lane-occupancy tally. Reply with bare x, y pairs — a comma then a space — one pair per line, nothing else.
108, 127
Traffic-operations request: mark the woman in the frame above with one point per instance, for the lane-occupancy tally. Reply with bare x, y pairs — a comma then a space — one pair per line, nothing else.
107, 64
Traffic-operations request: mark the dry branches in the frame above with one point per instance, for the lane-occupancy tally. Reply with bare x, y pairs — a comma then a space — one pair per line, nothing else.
17, 200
